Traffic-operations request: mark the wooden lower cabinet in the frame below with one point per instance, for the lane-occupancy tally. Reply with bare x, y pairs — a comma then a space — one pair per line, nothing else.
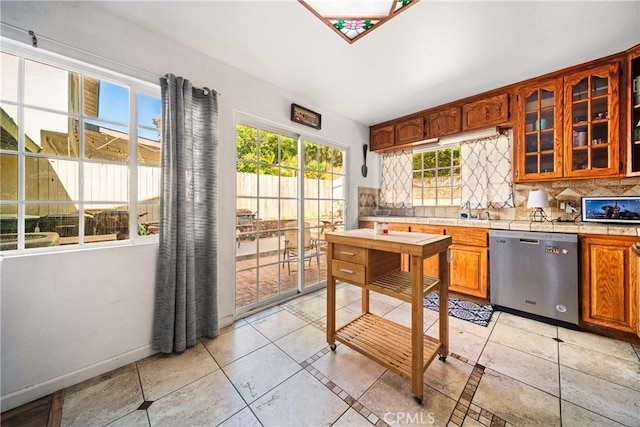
398, 226
365, 224
469, 260
430, 265
469, 270
609, 282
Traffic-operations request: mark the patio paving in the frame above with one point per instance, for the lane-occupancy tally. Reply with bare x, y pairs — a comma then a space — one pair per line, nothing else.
273, 270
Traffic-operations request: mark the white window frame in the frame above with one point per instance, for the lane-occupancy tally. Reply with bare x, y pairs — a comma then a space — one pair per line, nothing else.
135, 87
451, 187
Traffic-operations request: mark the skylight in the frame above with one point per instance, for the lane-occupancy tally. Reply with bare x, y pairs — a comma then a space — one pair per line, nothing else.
355, 18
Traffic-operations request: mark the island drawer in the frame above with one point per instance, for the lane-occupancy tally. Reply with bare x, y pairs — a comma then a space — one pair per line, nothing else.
349, 253
348, 271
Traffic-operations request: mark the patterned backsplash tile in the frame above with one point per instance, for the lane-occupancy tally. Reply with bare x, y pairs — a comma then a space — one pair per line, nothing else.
367, 200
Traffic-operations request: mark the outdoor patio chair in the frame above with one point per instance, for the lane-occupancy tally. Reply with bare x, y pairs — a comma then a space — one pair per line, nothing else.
291, 244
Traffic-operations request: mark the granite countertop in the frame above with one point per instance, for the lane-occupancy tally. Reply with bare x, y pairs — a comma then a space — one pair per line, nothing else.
499, 224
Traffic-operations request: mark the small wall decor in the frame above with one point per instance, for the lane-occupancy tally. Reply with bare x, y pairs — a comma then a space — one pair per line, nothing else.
306, 117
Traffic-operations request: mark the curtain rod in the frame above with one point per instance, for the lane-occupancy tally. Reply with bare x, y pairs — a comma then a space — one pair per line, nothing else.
34, 42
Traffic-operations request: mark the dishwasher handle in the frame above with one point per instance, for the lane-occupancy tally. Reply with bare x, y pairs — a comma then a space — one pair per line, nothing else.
530, 241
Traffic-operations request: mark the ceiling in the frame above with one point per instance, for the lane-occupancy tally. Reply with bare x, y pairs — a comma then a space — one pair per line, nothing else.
430, 54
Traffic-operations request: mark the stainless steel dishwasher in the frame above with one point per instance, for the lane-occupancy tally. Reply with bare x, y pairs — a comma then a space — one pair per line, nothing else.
536, 273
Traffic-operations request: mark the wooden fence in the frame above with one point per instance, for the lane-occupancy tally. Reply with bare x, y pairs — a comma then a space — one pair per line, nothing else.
279, 196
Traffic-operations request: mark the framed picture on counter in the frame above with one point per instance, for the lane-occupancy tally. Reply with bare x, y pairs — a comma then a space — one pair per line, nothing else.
611, 209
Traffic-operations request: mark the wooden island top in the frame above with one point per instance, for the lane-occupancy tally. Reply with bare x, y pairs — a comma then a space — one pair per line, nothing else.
403, 242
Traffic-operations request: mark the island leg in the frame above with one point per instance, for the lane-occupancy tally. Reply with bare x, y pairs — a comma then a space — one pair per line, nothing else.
331, 301
417, 329
365, 300
443, 268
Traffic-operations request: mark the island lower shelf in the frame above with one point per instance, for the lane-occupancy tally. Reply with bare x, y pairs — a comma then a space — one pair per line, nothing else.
386, 342
398, 285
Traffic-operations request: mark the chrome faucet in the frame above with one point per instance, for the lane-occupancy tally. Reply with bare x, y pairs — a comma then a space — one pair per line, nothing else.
467, 206
488, 215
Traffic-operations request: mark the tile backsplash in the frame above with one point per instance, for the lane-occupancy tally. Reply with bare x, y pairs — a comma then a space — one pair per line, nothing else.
566, 190
368, 199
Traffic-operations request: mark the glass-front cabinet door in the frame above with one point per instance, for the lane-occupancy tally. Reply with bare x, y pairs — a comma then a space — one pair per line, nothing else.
634, 108
591, 122
540, 141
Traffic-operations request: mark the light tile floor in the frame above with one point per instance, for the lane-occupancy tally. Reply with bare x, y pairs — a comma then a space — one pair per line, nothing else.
275, 369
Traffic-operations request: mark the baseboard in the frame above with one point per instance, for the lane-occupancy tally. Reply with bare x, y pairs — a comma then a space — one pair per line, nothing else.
52, 385
226, 321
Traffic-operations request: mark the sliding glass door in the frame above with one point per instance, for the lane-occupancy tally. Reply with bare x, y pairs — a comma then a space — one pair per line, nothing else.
289, 193
323, 177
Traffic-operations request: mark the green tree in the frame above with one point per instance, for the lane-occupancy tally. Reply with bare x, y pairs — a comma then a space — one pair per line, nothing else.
278, 155
429, 161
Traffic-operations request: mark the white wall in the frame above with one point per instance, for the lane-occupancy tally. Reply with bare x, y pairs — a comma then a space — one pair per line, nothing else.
70, 316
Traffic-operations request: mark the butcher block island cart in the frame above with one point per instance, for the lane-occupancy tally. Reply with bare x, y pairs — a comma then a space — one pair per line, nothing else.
373, 262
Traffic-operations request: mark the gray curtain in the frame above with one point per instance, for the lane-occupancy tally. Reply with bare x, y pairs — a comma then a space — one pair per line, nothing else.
186, 282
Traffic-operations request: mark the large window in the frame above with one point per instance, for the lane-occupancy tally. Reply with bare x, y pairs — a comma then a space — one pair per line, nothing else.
436, 177
80, 154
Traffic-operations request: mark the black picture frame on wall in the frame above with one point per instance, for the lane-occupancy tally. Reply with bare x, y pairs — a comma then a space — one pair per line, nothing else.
305, 116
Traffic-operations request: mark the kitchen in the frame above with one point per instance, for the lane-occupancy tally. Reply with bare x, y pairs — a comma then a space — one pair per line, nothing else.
546, 160
38, 16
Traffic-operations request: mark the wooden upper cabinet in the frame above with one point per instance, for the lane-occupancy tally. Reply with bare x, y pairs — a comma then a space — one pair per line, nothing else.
485, 112
381, 137
592, 122
580, 113
443, 122
409, 130
633, 106
538, 131
569, 127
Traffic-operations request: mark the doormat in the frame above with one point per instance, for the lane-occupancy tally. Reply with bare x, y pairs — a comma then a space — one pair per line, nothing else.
461, 309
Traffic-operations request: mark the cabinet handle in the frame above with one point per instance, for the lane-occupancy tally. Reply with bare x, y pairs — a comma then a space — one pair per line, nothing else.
347, 253
344, 270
